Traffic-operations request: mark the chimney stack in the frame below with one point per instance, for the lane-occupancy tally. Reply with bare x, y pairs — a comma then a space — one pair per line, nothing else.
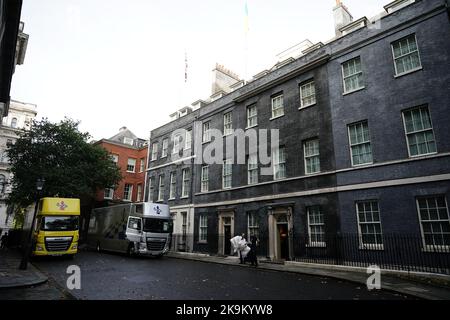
342, 17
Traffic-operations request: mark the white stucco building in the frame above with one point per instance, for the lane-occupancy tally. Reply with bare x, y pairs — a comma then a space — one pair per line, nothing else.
19, 118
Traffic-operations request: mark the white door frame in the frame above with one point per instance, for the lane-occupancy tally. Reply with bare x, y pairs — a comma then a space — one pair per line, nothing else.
274, 237
222, 215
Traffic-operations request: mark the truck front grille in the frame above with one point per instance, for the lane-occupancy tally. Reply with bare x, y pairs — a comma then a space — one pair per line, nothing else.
57, 243
156, 244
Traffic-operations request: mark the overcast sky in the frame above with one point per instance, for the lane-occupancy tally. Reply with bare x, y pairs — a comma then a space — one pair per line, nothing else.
114, 63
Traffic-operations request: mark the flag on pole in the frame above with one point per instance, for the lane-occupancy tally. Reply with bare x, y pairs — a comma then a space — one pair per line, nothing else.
246, 17
185, 66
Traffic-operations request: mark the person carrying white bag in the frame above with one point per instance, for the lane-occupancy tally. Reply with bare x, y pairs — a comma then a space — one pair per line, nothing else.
239, 244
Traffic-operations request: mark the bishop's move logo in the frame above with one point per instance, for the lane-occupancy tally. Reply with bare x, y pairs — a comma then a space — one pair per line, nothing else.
157, 209
61, 205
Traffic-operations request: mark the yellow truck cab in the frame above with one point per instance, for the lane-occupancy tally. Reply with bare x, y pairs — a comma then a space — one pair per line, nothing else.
56, 229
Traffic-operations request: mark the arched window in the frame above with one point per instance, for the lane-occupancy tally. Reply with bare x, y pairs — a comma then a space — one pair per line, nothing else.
2, 183
13, 122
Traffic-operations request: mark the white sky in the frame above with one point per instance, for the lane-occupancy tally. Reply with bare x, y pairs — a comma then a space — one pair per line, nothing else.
112, 63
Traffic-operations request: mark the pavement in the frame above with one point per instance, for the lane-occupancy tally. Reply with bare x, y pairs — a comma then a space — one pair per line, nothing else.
416, 284
12, 277
419, 285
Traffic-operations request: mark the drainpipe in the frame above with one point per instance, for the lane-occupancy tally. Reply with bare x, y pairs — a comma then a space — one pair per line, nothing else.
148, 167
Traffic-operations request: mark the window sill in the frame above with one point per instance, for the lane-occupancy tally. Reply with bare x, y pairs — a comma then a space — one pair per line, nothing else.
373, 247
436, 249
407, 72
227, 134
204, 142
131, 171
311, 173
362, 165
423, 155
203, 192
185, 197
353, 91
307, 106
107, 198
316, 245
172, 199
202, 242
255, 125
273, 118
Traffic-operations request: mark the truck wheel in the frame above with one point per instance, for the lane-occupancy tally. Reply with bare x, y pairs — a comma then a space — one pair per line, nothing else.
132, 251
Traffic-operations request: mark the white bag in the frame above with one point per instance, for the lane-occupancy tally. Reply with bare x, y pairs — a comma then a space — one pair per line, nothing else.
235, 243
245, 251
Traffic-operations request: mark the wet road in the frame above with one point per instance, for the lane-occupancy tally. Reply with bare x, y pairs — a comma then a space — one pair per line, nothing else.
112, 276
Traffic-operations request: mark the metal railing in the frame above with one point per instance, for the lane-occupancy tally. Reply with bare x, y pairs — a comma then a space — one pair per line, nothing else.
395, 252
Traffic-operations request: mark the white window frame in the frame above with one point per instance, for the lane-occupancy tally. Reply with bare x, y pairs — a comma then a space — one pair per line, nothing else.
161, 188
359, 143
186, 186
310, 156
131, 165
204, 179
139, 193
128, 141
279, 97
151, 189
252, 168
188, 139
352, 75
109, 195
427, 247
176, 144
115, 158
303, 97
252, 224
369, 246
418, 131
129, 193
206, 134
203, 224
154, 151
228, 123
312, 243
252, 116
277, 163
397, 74
142, 165
165, 148
227, 176
173, 186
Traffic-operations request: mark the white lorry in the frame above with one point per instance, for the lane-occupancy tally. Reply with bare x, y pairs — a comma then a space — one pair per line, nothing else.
136, 228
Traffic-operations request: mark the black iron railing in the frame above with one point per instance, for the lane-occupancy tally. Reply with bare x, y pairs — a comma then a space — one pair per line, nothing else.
394, 252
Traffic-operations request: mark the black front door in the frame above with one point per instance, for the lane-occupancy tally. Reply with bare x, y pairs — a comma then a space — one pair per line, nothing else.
226, 239
284, 241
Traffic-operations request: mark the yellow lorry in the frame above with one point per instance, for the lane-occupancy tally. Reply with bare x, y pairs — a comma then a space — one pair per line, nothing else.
56, 229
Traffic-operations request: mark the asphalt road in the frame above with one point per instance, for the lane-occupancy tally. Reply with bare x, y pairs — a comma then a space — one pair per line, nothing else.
113, 276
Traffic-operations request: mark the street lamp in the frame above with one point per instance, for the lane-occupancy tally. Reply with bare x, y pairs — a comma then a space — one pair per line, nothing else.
28, 246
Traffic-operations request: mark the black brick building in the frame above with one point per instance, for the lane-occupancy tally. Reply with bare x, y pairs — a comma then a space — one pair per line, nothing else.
365, 175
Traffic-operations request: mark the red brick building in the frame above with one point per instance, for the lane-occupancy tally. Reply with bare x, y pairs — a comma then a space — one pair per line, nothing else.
130, 154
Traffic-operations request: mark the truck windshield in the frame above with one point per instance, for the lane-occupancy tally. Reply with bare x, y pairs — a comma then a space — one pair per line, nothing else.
158, 225
59, 223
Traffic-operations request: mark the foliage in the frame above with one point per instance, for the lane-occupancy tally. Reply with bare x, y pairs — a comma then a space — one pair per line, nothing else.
61, 154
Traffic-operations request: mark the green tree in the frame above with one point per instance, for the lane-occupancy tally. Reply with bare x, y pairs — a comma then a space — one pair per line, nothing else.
61, 154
